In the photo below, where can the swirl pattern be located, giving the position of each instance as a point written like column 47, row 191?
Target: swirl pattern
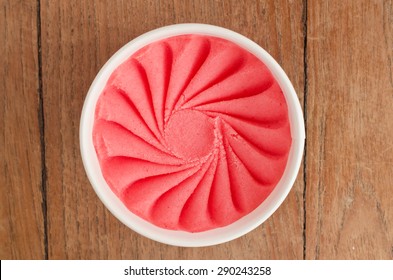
column 192, row 132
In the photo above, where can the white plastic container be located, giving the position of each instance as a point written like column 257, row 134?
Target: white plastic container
column 180, row 238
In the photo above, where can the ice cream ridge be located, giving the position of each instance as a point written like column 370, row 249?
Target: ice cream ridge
column 192, row 132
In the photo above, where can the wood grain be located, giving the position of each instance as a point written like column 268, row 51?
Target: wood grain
column 349, row 124
column 349, row 99
column 77, row 39
column 21, row 215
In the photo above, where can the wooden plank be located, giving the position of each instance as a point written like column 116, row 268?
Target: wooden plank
column 21, row 215
column 78, row 38
column 349, row 124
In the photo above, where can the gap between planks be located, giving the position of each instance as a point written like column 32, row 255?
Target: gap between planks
column 41, row 123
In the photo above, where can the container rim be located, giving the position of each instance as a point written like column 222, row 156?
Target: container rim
column 181, row 238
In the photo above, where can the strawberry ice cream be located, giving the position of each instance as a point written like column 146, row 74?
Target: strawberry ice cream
column 192, row 132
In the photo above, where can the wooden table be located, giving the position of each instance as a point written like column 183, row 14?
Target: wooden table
column 339, row 56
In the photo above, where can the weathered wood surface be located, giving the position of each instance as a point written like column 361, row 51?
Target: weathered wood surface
column 349, row 125
column 21, row 213
column 338, row 55
column 74, row 49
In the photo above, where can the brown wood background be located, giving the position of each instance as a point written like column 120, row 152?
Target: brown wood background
column 339, row 56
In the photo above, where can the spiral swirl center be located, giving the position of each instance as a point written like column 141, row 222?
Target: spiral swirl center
column 189, row 134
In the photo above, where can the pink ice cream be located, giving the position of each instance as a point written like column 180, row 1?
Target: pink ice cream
column 192, row 133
